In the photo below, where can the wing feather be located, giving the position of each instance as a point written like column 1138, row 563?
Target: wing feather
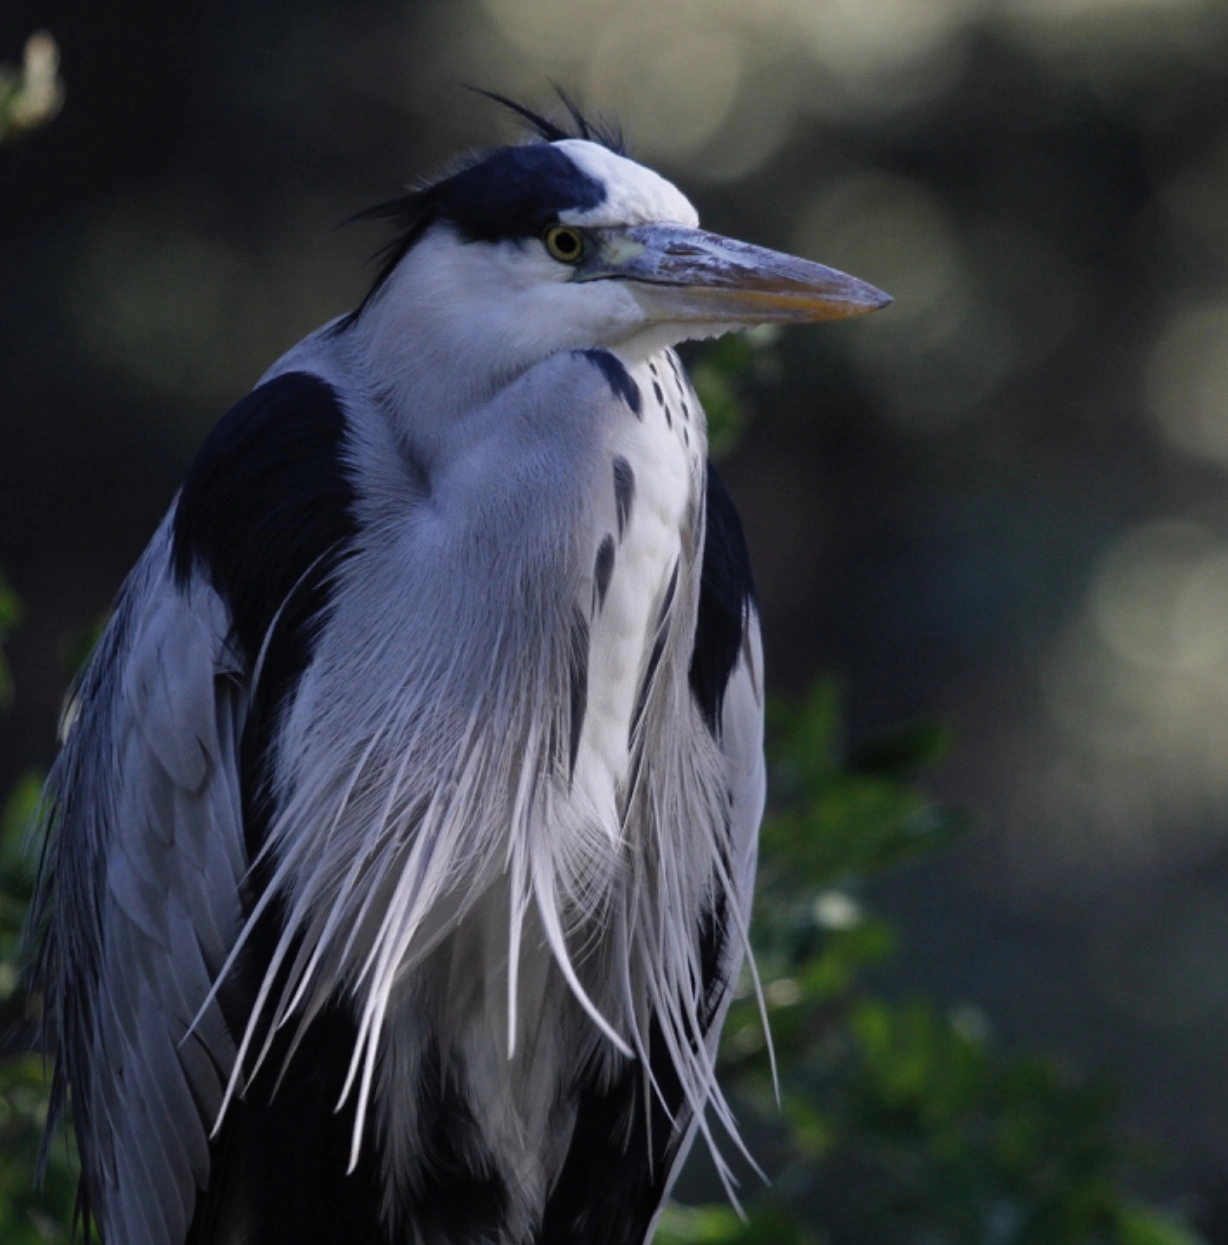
column 139, row 900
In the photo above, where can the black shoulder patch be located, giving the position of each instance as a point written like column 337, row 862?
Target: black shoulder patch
column 726, row 591
column 266, row 514
column 622, row 386
column 267, row 507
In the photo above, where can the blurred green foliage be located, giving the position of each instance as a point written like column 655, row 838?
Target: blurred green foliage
column 933, row 1137
column 10, row 616
column 30, row 1211
column 727, row 374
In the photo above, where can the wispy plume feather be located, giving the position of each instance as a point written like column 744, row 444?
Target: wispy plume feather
column 450, row 790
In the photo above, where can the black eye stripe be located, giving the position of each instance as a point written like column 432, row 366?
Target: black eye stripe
column 516, row 192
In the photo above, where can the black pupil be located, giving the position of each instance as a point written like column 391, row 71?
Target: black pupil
column 566, row 243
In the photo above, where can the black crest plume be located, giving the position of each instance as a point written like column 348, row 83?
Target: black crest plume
column 595, row 132
column 412, row 213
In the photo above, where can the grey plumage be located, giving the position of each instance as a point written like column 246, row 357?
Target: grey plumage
column 421, row 762
column 140, row 897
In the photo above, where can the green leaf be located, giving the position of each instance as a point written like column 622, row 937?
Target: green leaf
column 1145, row 1225
column 724, row 375
column 698, row 1225
column 767, row 1224
column 30, row 1214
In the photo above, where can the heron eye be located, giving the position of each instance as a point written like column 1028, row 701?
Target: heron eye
column 564, row 243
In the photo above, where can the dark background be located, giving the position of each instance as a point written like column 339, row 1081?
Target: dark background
column 1002, row 503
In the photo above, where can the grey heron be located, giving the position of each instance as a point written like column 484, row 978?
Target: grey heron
column 400, row 848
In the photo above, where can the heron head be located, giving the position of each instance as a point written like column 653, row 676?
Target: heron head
column 568, row 243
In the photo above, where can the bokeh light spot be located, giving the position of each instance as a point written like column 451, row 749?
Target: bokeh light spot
column 1187, row 382
column 938, row 352
column 1144, row 597
column 672, row 87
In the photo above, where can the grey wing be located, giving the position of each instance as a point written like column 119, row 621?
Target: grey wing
column 138, row 902
column 727, row 678
column 727, row 681
column 741, row 738
column 741, row 741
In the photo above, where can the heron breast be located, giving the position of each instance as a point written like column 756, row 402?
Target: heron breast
column 655, row 476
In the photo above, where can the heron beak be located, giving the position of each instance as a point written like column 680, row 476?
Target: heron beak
column 683, row 275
